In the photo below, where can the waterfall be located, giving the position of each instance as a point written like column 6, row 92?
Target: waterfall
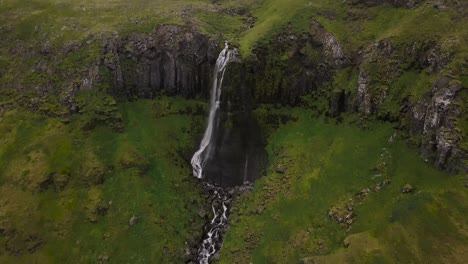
column 212, row 243
column 206, row 146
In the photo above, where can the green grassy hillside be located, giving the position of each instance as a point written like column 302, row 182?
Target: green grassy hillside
column 344, row 169
column 67, row 195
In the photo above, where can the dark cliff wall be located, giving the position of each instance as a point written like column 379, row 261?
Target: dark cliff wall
column 174, row 60
column 401, row 82
column 310, row 70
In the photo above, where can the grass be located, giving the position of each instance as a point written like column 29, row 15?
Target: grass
column 272, row 15
column 162, row 193
column 285, row 218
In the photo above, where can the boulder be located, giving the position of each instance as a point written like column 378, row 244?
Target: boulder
column 407, row 188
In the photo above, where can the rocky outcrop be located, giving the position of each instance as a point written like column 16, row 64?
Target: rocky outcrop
column 434, row 118
column 364, row 96
column 332, row 47
column 292, row 65
column 174, row 60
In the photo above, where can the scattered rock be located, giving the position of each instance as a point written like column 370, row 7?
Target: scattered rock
column 343, row 215
column 439, row 5
column 407, row 188
column 202, row 213
column 46, row 48
column 103, row 258
column 280, row 170
column 133, row 220
column 392, row 138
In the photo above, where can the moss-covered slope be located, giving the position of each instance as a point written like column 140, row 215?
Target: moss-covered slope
column 69, row 192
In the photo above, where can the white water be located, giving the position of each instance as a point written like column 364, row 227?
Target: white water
column 206, row 146
column 246, row 165
column 218, row 224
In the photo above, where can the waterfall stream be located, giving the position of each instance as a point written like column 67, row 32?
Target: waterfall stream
column 217, row 226
column 220, row 197
column 206, row 146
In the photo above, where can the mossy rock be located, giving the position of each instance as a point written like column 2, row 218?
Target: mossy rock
column 31, row 172
column 95, row 206
column 129, row 157
column 93, row 171
column 60, row 180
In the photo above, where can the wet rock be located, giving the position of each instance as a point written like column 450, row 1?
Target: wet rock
column 133, row 220
column 202, row 213
column 407, row 188
column 215, row 257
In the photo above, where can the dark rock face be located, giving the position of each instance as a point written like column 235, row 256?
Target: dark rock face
column 309, row 62
column 239, row 154
column 286, row 80
column 332, row 48
column 174, row 60
column 337, row 103
column 434, row 118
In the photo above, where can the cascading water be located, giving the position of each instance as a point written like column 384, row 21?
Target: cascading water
column 217, row 226
column 206, row 146
column 221, row 198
